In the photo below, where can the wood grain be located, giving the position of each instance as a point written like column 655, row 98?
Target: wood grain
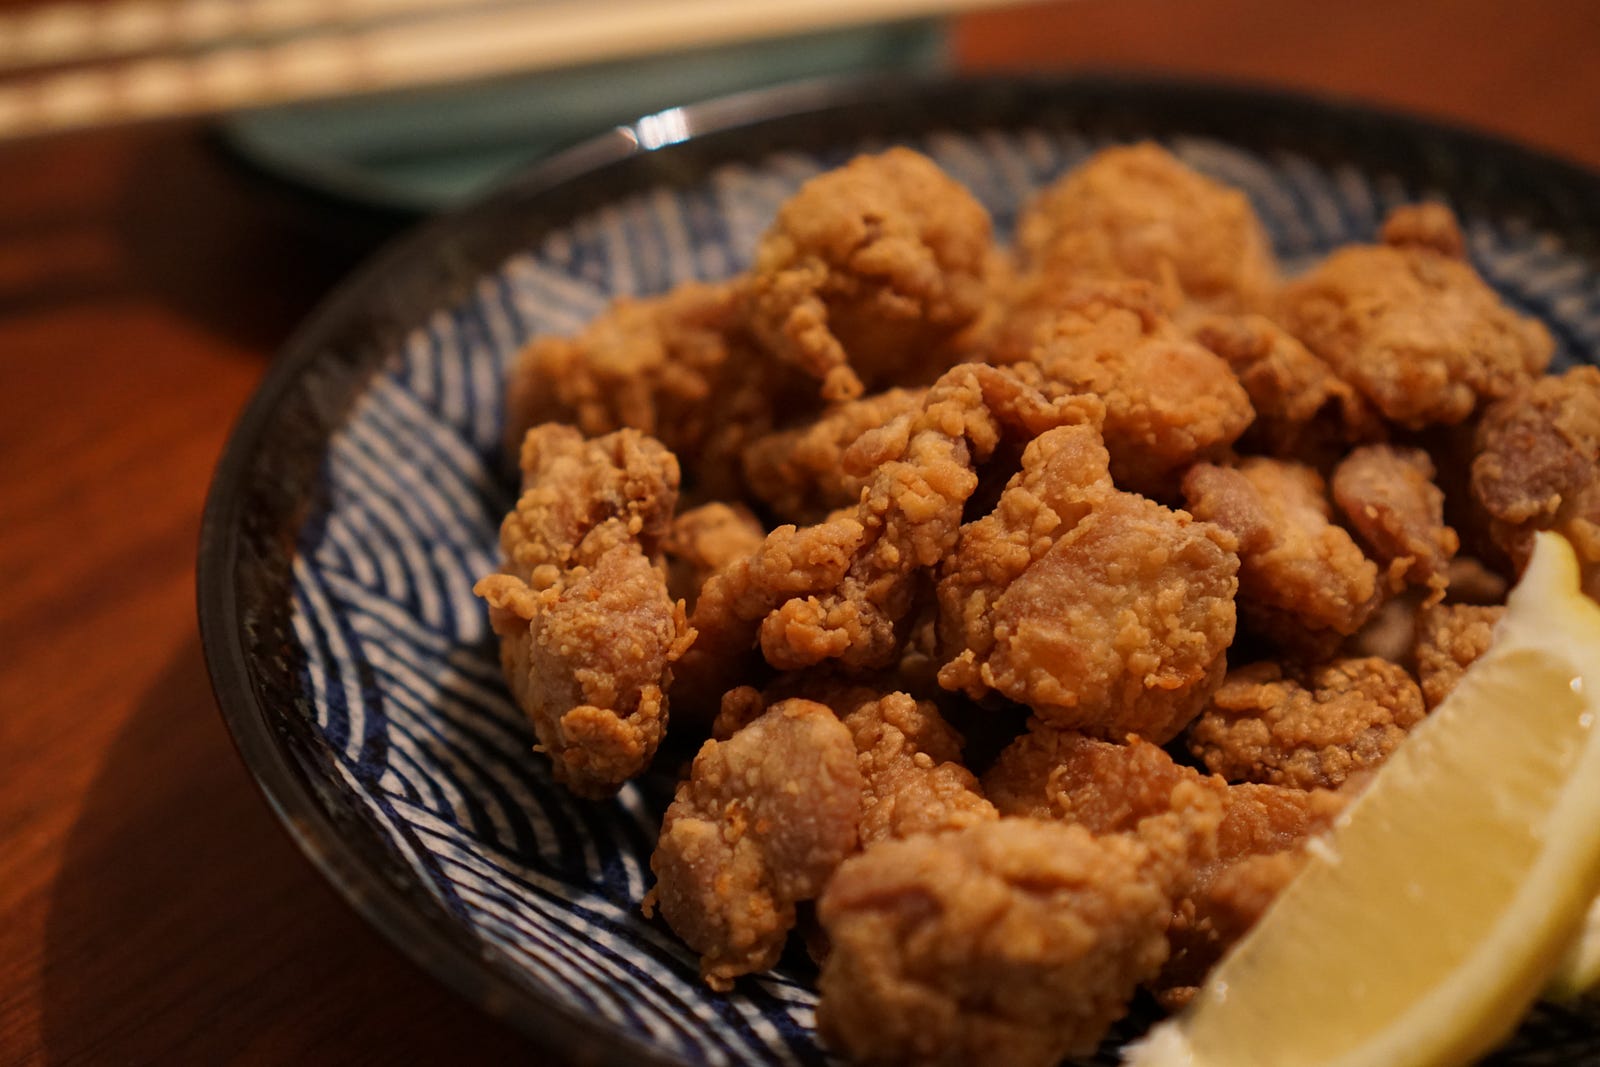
column 150, row 908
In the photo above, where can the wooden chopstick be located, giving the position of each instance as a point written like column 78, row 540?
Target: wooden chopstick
column 452, row 44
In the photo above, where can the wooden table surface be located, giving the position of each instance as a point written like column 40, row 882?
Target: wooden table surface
column 150, row 908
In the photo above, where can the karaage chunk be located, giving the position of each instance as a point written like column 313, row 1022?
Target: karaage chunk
column 1450, row 637
column 705, row 540
column 1388, row 495
column 588, row 632
column 869, row 272
column 1310, row 727
column 1015, row 942
column 1303, row 582
column 679, row 367
column 1169, row 401
column 800, row 475
column 1538, row 467
column 838, row 591
column 1418, row 332
column 760, row 824
column 1303, row 410
column 1225, row 880
column 1098, row 609
column 911, row 765
column 1136, row 211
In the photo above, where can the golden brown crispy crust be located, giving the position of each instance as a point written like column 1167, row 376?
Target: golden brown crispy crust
column 1418, row 332
column 910, row 761
column 1429, row 225
column 1306, row 727
column 1138, row 212
column 1449, row 638
column 679, row 367
column 869, row 272
column 1388, row 496
column 588, row 631
column 837, row 591
column 1098, row 609
column 1169, row 401
column 1303, row 410
column 799, row 473
column 1538, row 467
column 1223, row 884
column 1012, row 942
column 760, row 824
column 706, row 539
column 1303, row 583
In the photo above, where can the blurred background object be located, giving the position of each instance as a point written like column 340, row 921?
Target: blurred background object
column 416, row 104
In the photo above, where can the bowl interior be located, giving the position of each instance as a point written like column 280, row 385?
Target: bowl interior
column 362, row 498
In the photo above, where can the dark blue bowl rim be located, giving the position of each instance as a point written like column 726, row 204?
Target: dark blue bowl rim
column 251, row 514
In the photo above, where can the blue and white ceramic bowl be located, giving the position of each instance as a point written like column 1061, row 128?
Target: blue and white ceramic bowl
column 361, row 494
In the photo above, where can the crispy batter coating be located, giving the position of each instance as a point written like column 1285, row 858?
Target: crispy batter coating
column 679, row 367
column 1418, row 332
column 910, row 762
column 704, row 540
column 1388, row 496
column 1137, row 212
column 838, row 591
column 910, row 757
column 1538, row 467
column 588, row 631
column 1169, row 401
column 760, row 824
column 1098, row 609
column 1307, row 727
column 869, row 271
column 1449, row 638
column 1013, row 942
column 1108, row 788
column 800, row 473
column 1303, row 410
column 1429, row 224
column 1303, row 583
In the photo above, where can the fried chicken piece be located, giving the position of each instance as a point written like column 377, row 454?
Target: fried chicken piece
column 1538, row 468
column 1013, row 942
column 1303, row 410
column 1388, row 496
column 910, row 760
column 1098, row 609
column 588, row 632
column 1169, row 401
column 1429, row 225
column 706, row 539
column 869, row 271
column 1135, row 211
column 838, row 590
column 800, row 473
column 1450, row 637
column 1307, row 727
column 910, row 757
column 1303, row 583
column 1417, row 331
column 677, row 366
column 760, row 824
column 1116, row 788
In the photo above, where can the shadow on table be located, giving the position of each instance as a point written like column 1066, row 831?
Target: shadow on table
column 185, row 927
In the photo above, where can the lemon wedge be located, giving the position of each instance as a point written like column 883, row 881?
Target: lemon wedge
column 1444, row 899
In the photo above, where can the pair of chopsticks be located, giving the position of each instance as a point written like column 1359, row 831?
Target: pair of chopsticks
column 77, row 64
